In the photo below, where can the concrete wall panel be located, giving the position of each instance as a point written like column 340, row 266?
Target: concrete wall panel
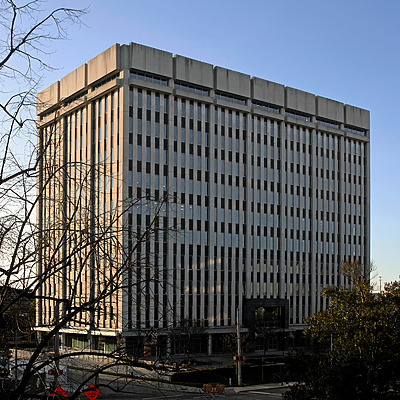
column 236, row 83
column 330, row 109
column 298, row 100
column 150, row 60
column 357, row 117
column 193, row 71
column 73, row 82
column 103, row 64
column 267, row 92
column 48, row 97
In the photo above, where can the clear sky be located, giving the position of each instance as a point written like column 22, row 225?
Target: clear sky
column 347, row 50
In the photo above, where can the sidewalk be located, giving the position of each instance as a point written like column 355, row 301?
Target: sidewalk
column 238, row 389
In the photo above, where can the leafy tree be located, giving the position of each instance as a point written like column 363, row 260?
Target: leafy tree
column 361, row 329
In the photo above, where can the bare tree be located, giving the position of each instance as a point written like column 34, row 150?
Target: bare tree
column 86, row 241
column 187, row 335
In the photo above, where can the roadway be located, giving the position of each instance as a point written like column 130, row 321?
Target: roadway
column 117, row 387
column 156, row 391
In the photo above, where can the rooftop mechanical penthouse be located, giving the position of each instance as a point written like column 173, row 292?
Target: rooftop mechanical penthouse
column 255, row 192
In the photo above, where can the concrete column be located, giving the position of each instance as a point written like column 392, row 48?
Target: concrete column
column 314, row 227
column 342, row 207
column 367, row 207
column 211, row 267
column 281, row 251
column 209, row 347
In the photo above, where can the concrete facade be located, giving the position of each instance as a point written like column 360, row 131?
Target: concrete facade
column 269, row 186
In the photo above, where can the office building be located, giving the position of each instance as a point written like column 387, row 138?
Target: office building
column 266, row 189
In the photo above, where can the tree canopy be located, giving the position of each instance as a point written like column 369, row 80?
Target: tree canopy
column 33, row 256
column 361, row 331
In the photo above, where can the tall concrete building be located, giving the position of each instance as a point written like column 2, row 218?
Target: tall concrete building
column 266, row 187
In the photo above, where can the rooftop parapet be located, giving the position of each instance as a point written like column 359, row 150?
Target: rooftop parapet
column 48, row 98
column 358, row 117
column 267, row 91
column 232, row 82
column 186, row 70
column 73, row 82
column 148, row 59
column 193, row 71
column 104, row 64
column 329, row 109
column 300, row 101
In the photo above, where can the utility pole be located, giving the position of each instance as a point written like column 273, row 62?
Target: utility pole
column 239, row 351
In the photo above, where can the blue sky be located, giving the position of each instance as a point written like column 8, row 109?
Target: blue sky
column 345, row 50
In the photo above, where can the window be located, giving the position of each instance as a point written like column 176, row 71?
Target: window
column 328, row 124
column 139, row 99
column 298, row 116
column 192, row 89
column 148, row 101
column 105, row 81
column 182, row 185
column 157, row 102
column 148, row 180
column 353, row 130
column 230, row 98
column 149, row 78
column 266, row 107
